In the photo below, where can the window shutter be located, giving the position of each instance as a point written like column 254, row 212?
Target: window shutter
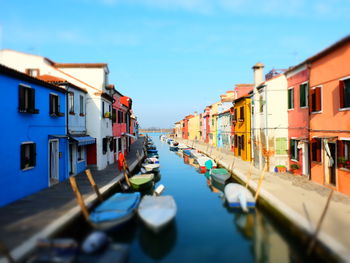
column 21, row 98
column 51, row 104
column 33, row 154
column 242, row 142
column 341, row 93
column 57, row 104
column 318, row 98
column 318, row 150
column 31, row 98
column 103, row 108
column 22, row 156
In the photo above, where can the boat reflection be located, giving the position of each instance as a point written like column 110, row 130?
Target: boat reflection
column 158, row 245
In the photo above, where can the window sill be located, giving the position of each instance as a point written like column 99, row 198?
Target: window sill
column 316, row 112
column 344, row 109
column 28, row 168
column 59, row 114
column 81, row 114
column 71, row 113
column 344, row 169
column 80, row 161
column 30, row 111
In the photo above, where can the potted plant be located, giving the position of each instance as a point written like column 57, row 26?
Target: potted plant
column 341, row 162
column 107, row 114
column 347, row 164
column 294, row 167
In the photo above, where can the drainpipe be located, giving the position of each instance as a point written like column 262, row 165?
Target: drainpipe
column 267, row 133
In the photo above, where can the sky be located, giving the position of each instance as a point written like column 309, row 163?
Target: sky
column 174, row 57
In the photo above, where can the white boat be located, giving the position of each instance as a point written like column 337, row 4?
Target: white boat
column 157, row 211
column 203, row 163
column 196, row 155
column 239, row 196
column 150, row 167
column 151, row 160
column 221, row 175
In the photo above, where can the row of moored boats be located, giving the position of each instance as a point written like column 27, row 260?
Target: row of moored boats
column 236, row 195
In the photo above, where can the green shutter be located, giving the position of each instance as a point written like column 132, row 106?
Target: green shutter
column 281, row 146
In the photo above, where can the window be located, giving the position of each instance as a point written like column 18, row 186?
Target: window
column 242, row 142
column 343, row 147
column 115, row 144
column 28, row 155
column 27, row 100
column 104, row 145
column 111, row 145
column 234, row 117
column 261, row 103
column 241, row 113
column 34, row 72
column 281, row 146
column 304, row 90
column 71, row 102
column 291, row 98
column 81, row 153
column 315, row 94
column 114, row 116
column 316, row 150
column 81, row 100
column 235, row 140
column 344, row 93
column 293, row 150
column 119, row 144
column 55, row 105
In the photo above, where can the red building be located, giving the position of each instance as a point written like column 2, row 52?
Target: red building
column 121, row 123
column 298, row 118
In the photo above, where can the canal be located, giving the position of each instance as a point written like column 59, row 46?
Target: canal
column 205, row 230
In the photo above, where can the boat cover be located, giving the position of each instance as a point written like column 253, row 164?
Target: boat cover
column 117, row 206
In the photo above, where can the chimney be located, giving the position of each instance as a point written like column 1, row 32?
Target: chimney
column 258, row 69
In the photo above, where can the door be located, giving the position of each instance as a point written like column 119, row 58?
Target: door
column 305, row 158
column 53, row 162
column 72, row 158
column 332, row 170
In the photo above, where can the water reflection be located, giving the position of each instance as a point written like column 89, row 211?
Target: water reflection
column 158, row 245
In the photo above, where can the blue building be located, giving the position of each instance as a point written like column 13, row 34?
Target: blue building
column 76, row 124
column 34, row 148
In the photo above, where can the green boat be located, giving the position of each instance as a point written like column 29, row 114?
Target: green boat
column 141, row 182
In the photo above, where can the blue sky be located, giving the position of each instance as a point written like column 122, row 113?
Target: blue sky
column 174, row 57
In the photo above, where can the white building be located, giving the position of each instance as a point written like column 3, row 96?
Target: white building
column 269, row 120
column 93, row 77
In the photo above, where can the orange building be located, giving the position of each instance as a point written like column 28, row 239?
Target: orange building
column 329, row 100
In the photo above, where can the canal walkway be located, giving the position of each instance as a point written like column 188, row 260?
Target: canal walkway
column 295, row 199
column 46, row 213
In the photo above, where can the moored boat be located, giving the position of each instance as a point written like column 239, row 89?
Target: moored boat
column 238, row 196
column 205, row 163
column 150, row 167
column 157, row 211
column 115, row 211
column 220, row 175
column 142, row 181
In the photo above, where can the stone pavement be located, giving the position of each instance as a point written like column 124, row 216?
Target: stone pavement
column 297, row 200
column 47, row 212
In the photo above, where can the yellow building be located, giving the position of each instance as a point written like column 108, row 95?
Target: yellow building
column 213, row 122
column 242, row 135
column 194, row 127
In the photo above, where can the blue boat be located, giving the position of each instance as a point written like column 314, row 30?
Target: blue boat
column 115, row 211
column 152, row 151
column 187, row 151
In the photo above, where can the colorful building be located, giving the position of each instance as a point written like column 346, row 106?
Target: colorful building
column 269, row 125
column 194, row 127
column 298, row 118
column 34, row 150
column 213, row 124
column 206, row 117
column 329, row 104
column 178, row 133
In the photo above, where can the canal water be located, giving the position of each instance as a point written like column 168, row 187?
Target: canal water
column 204, row 230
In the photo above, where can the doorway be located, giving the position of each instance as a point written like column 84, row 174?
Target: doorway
column 53, row 162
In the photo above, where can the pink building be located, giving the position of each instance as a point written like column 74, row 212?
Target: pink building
column 298, row 118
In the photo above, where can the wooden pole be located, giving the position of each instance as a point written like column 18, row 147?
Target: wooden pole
column 125, row 173
column 261, row 178
column 79, row 197
column 250, row 174
column 233, row 163
column 93, row 184
column 313, row 239
column 4, row 250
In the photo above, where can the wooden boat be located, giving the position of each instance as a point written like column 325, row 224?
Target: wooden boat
column 115, row 211
column 238, row 196
column 150, row 167
column 196, row 155
column 220, row 175
column 151, row 160
column 157, row 211
column 142, row 181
